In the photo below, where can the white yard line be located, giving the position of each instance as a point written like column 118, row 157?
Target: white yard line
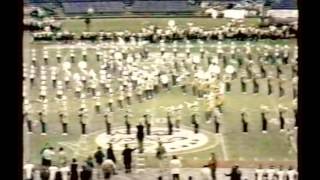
column 223, row 145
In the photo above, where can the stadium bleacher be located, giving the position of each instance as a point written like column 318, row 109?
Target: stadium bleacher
column 162, row 6
column 285, row 4
column 99, row 7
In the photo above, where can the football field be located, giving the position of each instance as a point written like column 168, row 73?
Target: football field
column 231, row 145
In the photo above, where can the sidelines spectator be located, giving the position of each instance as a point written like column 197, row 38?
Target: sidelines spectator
column 213, row 165
column 44, row 173
column 74, row 170
column 65, row 171
column 235, row 173
column 206, row 173
column 175, row 165
column 98, row 155
column 62, row 157
column 47, row 156
column 108, row 167
column 29, row 171
column 53, row 170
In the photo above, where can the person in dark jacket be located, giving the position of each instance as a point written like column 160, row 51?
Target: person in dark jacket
column 74, row 170
column 44, row 173
column 127, row 157
column 86, row 173
column 58, row 175
column 110, row 154
column 235, row 173
column 98, row 155
column 140, row 136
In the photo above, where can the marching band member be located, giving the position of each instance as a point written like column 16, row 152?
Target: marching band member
column 54, row 76
column 244, row 121
column 120, row 97
column 97, row 102
column 63, row 116
column 281, row 89
column 107, row 117
column 243, row 85
column 45, row 57
column 43, row 122
column 164, row 81
column 178, row 117
column 169, row 123
column 269, row 86
column 58, row 56
column 83, row 118
column 282, row 120
column 217, row 120
column 255, row 86
column 126, row 120
column 264, row 119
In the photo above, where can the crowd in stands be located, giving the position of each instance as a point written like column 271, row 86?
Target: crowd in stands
column 58, row 166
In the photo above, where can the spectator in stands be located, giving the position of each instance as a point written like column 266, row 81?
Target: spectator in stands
column 29, row 170
column 127, row 157
column 235, row 173
column 74, row 170
column 206, row 173
column 108, row 167
column 175, row 165
column 213, row 165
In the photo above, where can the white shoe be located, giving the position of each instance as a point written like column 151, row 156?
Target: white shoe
column 43, row 134
column 30, row 133
column 64, row 134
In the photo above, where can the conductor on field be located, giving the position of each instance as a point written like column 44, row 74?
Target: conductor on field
column 140, row 136
column 127, row 158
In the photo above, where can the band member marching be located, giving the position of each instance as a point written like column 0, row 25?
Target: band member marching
column 282, row 120
column 43, row 123
column 64, row 121
column 264, row 120
column 244, row 121
column 83, row 119
column 107, row 118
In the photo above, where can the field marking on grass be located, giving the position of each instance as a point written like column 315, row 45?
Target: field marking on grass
column 223, row 145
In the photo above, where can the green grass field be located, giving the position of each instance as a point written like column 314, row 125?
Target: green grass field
column 252, row 147
column 135, row 24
